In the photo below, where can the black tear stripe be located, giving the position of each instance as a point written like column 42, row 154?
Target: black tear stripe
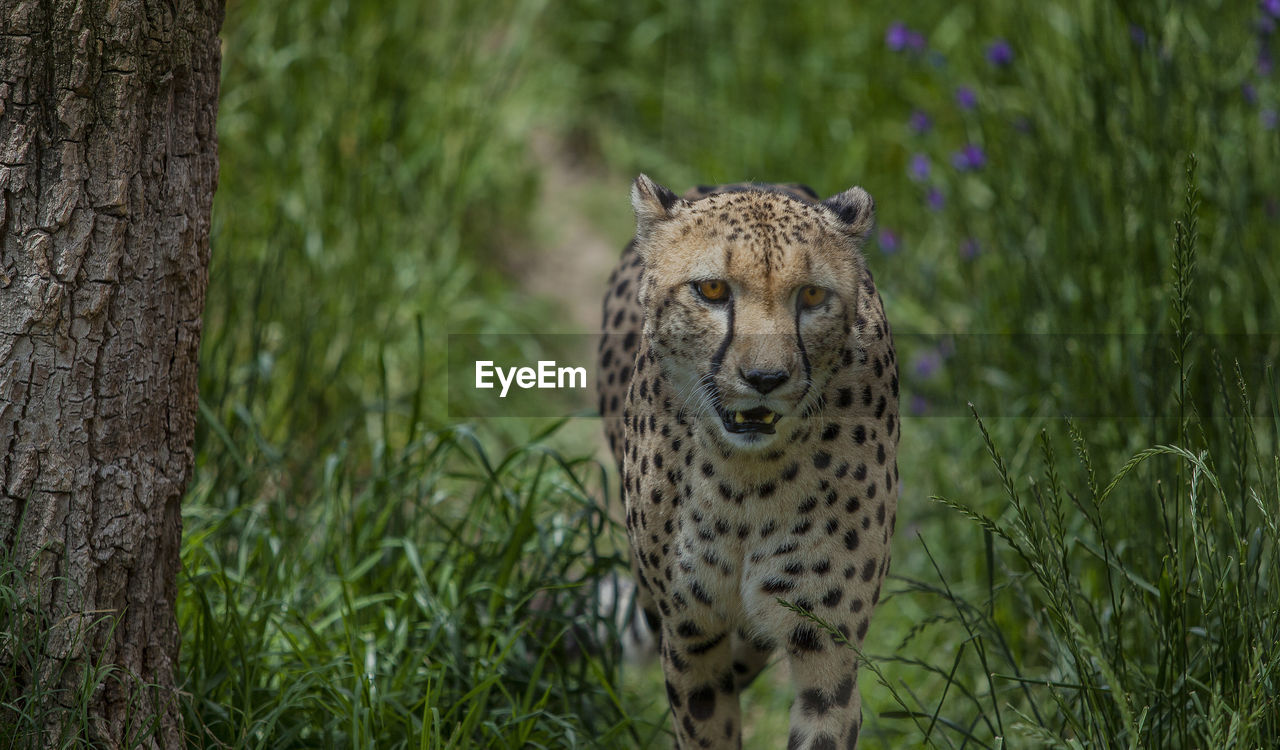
column 849, row 335
column 718, row 358
column 804, row 355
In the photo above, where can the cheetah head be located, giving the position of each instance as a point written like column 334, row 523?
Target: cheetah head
column 749, row 299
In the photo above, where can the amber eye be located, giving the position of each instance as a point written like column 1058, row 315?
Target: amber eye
column 714, row 290
column 812, row 296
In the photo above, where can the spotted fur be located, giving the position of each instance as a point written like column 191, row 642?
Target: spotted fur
column 724, row 522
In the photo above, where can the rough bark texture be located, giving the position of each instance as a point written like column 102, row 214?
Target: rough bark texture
column 108, row 163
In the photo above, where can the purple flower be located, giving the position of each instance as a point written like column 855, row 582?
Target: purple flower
column 1000, row 54
column 927, row 364
column 920, row 168
column 919, row 406
column 920, row 122
column 935, row 199
column 1268, row 117
column 899, row 37
column 1265, row 65
column 1272, row 7
column 895, row 38
column 969, row 157
column 888, row 241
column 969, row 249
column 1138, row 35
column 965, row 98
column 1250, row 93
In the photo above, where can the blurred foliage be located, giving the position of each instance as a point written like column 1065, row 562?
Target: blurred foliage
column 367, row 155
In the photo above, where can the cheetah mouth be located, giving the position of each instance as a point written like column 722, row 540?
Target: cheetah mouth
column 758, row 420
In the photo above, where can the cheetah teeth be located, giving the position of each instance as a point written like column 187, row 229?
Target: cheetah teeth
column 757, row 415
column 758, row 419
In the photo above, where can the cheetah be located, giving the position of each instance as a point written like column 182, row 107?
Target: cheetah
column 749, row 389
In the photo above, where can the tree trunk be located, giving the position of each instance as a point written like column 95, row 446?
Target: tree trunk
column 108, row 163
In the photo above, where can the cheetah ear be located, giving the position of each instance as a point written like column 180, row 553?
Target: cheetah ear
column 855, row 209
column 652, row 203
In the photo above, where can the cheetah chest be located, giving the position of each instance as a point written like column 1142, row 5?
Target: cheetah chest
column 722, row 550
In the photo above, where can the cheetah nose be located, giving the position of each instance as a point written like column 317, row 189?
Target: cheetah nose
column 765, row 380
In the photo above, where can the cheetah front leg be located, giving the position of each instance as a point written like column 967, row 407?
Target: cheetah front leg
column 827, row 711
column 700, row 686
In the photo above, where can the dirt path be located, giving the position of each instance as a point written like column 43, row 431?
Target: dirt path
column 580, row 223
column 571, row 256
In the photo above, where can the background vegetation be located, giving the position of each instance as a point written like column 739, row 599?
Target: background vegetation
column 361, row 568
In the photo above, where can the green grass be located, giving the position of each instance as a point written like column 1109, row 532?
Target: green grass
column 445, row 603
column 361, row 570
column 1163, row 639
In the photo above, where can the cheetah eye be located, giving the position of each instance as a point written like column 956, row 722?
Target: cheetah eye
column 812, row 296
column 713, row 290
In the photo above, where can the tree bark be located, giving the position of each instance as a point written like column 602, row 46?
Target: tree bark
column 108, row 164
